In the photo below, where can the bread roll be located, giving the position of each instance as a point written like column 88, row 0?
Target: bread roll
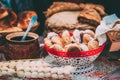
column 57, row 40
column 86, row 38
column 47, row 42
column 57, row 47
column 72, row 48
column 90, row 32
column 66, row 37
column 93, row 44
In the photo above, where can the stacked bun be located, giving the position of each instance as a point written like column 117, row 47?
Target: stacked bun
column 8, row 20
column 76, row 16
column 24, row 19
column 78, row 41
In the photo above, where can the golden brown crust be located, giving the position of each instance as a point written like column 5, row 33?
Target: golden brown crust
column 24, row 19
column 93, row 44
column 99, row 8
column 90, row 16
column 68, row 6
column 61, row 6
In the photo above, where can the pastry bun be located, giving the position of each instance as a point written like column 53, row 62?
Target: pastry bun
column 24, row 19
column 57, row 47
column 90, row 32
column 87, row 38
column 57, row 40
column 93, row 44
column 9, row 20
column 72, row 48
column 66, row 37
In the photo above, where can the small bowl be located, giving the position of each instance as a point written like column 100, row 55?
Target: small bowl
column 16, row 49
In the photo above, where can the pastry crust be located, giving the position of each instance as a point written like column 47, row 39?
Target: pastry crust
column 69, row 6
column 90, row 16
column 99, row 8
column 61, row 6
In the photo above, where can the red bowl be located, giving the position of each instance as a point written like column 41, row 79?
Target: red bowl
column 74, row 54
column 74, row 58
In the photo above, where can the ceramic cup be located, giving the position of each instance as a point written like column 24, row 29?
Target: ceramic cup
column 17, row 49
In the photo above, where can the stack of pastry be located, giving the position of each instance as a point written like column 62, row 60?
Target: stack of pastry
column 10, row 22
column 8, row 19
column 70, row 16
column 24, row 19
column 79, row 41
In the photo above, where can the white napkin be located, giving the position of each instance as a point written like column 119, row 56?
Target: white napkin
column 107, row 24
